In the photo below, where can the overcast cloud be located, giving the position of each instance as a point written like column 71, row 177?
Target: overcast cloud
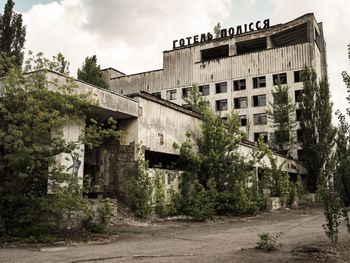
column 131, row 35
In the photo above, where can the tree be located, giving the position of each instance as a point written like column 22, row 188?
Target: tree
column 90, row 72
column 316, row 126
column 216, row 176
column 217, row 30
column 281, row 113
column 31, row 122
column 12, row 33
column 195, row 99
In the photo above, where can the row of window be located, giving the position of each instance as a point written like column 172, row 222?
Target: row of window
column 258, row 82
column 257, row 135
column 241, row 102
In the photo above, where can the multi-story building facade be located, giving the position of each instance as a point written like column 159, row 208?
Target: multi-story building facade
column 236, row 70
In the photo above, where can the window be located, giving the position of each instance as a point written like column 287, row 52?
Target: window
column 259, row 100
column 171, row 94
column 259, row 82
column 240, row 103
column 298, row 76
column 157, row 94
column 299, row 95
column 221, row 105
column 204, row 89
column 243, row 120
column 257, row 135
column 239, row 84
column 260, row 119
column 215, row 53
column 298, row 114
column 299, row 135
column 279, row 78
column 221, row 87
column 185, row 92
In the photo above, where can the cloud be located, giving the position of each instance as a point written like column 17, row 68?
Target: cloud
column 127, row 35
column 335, row 16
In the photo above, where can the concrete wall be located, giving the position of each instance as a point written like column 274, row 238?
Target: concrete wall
column 159, row 126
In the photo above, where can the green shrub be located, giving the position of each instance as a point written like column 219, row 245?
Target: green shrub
column 140, row 189
column 199, row 203
column 160, row 204
column 97, row 220
column 267, row 243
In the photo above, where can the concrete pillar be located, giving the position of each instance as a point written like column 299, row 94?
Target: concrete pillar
column 72, row 163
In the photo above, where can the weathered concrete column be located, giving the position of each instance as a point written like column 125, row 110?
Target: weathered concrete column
column 72, row 163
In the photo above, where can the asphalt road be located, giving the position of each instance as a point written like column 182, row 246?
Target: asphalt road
column 225, row 240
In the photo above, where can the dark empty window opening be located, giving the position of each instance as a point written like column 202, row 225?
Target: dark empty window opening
column 251, row 45
column 279, row 78
column 259, row 100
column 257, row 135
column 243, row 120
column 221, row 105
column 299, row 95
column 204, row 89
column 215, row 53
column 157, row 94
column 163, row 160
column 240, row 103
column 298, row 76
column 292, row 36
column 239, row 85
column 259, row 82
column 221, row 87
column 185, row 92
column 299, row 135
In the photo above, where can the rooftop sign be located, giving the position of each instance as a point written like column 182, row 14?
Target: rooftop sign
column 231, row 32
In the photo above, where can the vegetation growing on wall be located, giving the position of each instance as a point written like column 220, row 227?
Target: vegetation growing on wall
column 31, row 122
column 281, row 114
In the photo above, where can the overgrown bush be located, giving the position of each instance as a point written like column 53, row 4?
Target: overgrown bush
column 267, row 242
column 160, row 202
column 97, row 219
column 140, row 189
column 199, row 202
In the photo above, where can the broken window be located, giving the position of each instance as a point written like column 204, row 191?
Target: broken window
column 279, row 78
column 299, row 135
column 263, row 135
column 204, row 89
column 159, row 159
column 252, row 45
column 292, row 36
column 221, row 87
column 243, row 120
column 239, row 85
column 298, row 76
column 171, row 94
column 185, row 92
column 299, row 95
column 259, row 82
column 259, row 100
column 221, row 105
column 215, row 53
column 157, row 94
column 260, row 119
column 240, row 103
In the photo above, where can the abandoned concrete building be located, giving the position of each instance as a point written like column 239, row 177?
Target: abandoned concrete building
column 147, row 122
column 237, row 70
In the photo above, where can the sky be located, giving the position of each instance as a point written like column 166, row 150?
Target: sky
column 130, row 35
